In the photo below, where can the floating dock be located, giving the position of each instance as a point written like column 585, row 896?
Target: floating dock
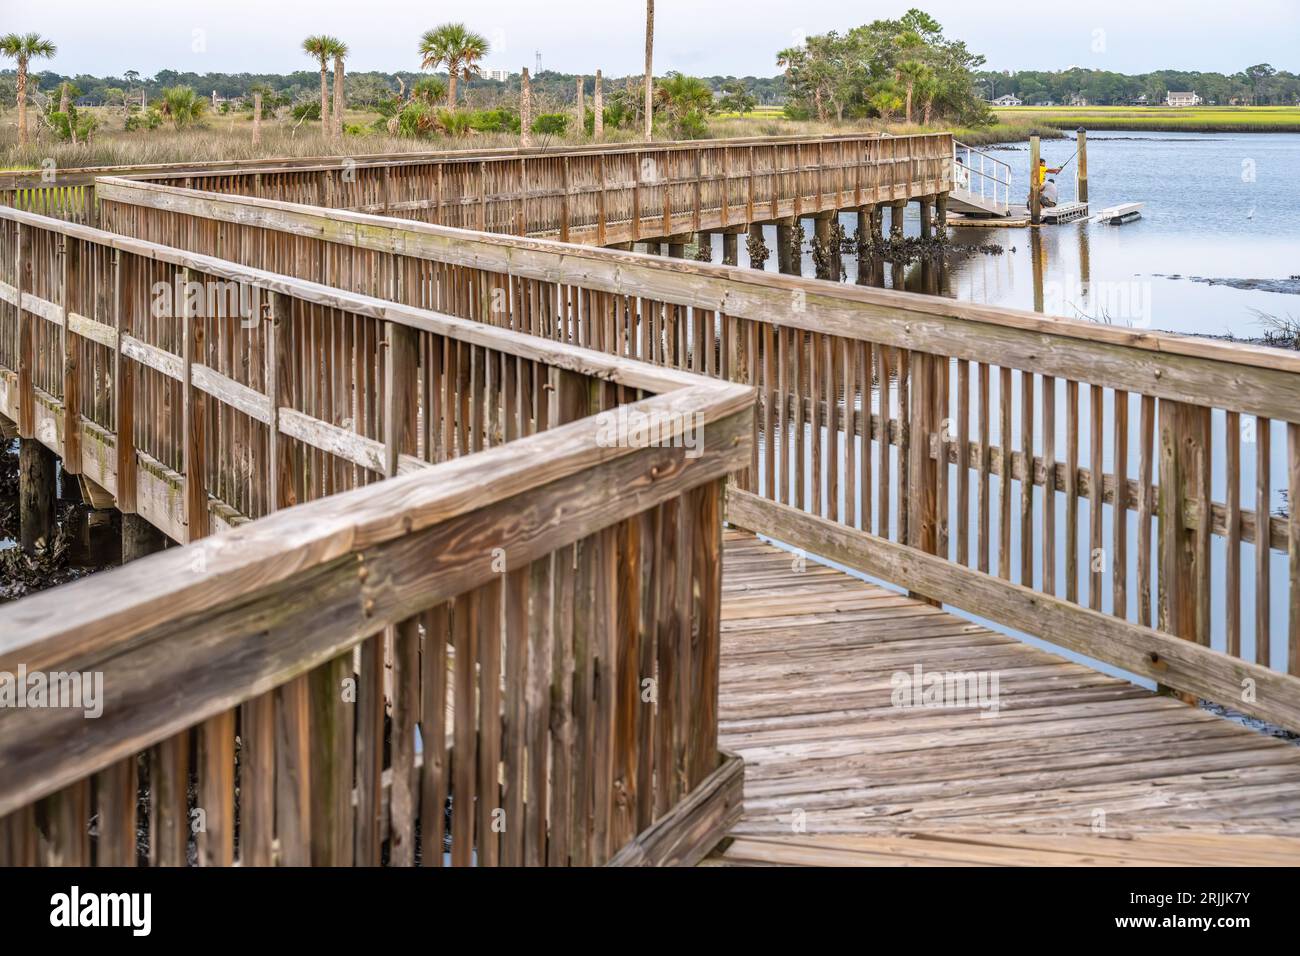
column 1120, row 214
column 1018, row 216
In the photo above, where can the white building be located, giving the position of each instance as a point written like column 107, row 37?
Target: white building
column 1009, row 99
column 499, row 75
column 1182, row 99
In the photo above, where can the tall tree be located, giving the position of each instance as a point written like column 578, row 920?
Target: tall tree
column 321, row 47
column 456, row 47
column 23, row 48
column 339, row 49
column 649, row 68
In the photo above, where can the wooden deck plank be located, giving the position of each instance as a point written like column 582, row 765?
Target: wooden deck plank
column 1075, row 768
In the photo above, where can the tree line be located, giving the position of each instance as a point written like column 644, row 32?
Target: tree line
column 904, row 68
column 1258, row 85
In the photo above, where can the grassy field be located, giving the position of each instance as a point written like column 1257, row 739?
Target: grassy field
column 1198, row 119
column 231, row 138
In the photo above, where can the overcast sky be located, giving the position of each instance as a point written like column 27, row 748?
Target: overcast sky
column 703, row 37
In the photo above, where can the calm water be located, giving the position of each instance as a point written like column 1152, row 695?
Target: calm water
column 1217, row 206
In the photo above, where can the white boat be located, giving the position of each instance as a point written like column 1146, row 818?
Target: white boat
column 1116, row 215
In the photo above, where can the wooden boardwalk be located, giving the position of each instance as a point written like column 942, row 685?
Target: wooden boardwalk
column 395, row 395
column 807, row 661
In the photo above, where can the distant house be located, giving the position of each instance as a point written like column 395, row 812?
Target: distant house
column 1078, row 100
column 1182, row 99
column 1009, row 99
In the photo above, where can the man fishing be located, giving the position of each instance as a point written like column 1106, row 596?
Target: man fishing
column 1043, row 172
column 1047, row 195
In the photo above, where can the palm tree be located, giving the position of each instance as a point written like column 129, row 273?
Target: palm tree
column 340, row 51
column 686, row 101
column 182, row 106
column 23, row 47
column 322, row 47
column 914, row 75
column 649, row 67
column 456, row 47
column 911, row 47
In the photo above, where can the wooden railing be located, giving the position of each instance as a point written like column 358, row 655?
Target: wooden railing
column 526, row 570
column 595, row 195
column 1049, row 429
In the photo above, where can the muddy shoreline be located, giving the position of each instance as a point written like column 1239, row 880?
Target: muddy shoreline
column 81, row 544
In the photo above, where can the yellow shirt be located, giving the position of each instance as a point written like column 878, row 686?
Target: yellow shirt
column 1042, row 176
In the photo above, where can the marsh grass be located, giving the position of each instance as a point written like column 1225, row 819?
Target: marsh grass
column 1211, row 119
column 230, row 138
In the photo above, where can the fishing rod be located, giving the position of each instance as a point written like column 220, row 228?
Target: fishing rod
column 1061, row 168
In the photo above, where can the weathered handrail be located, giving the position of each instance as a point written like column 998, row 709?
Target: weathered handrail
column 102, row 309
column 917, row 380
column 595, row 194
column 994, row 176
column 485, row 552
column 563, row 561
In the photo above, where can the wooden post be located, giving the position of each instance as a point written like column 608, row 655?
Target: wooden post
column 123, row 397
column 730, row 241
column 564, row 199
column 927, row 225
column 70, row 254
column 139, row 538
column 896, row 212
column 1036, row 252
column 1081, row 167
column 257, row 119
column 1035, row 210
column 941, row 213
column 822, row 237
column 525, row 109
column 35, row 494
column 283, row 478
column 26, row 336
column 704, row 246
column 1184, row 586
column 864, row 231
column 784, row 247
column 924, row 395
column 401, row 394
column 756, row 236
column 194, row 418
